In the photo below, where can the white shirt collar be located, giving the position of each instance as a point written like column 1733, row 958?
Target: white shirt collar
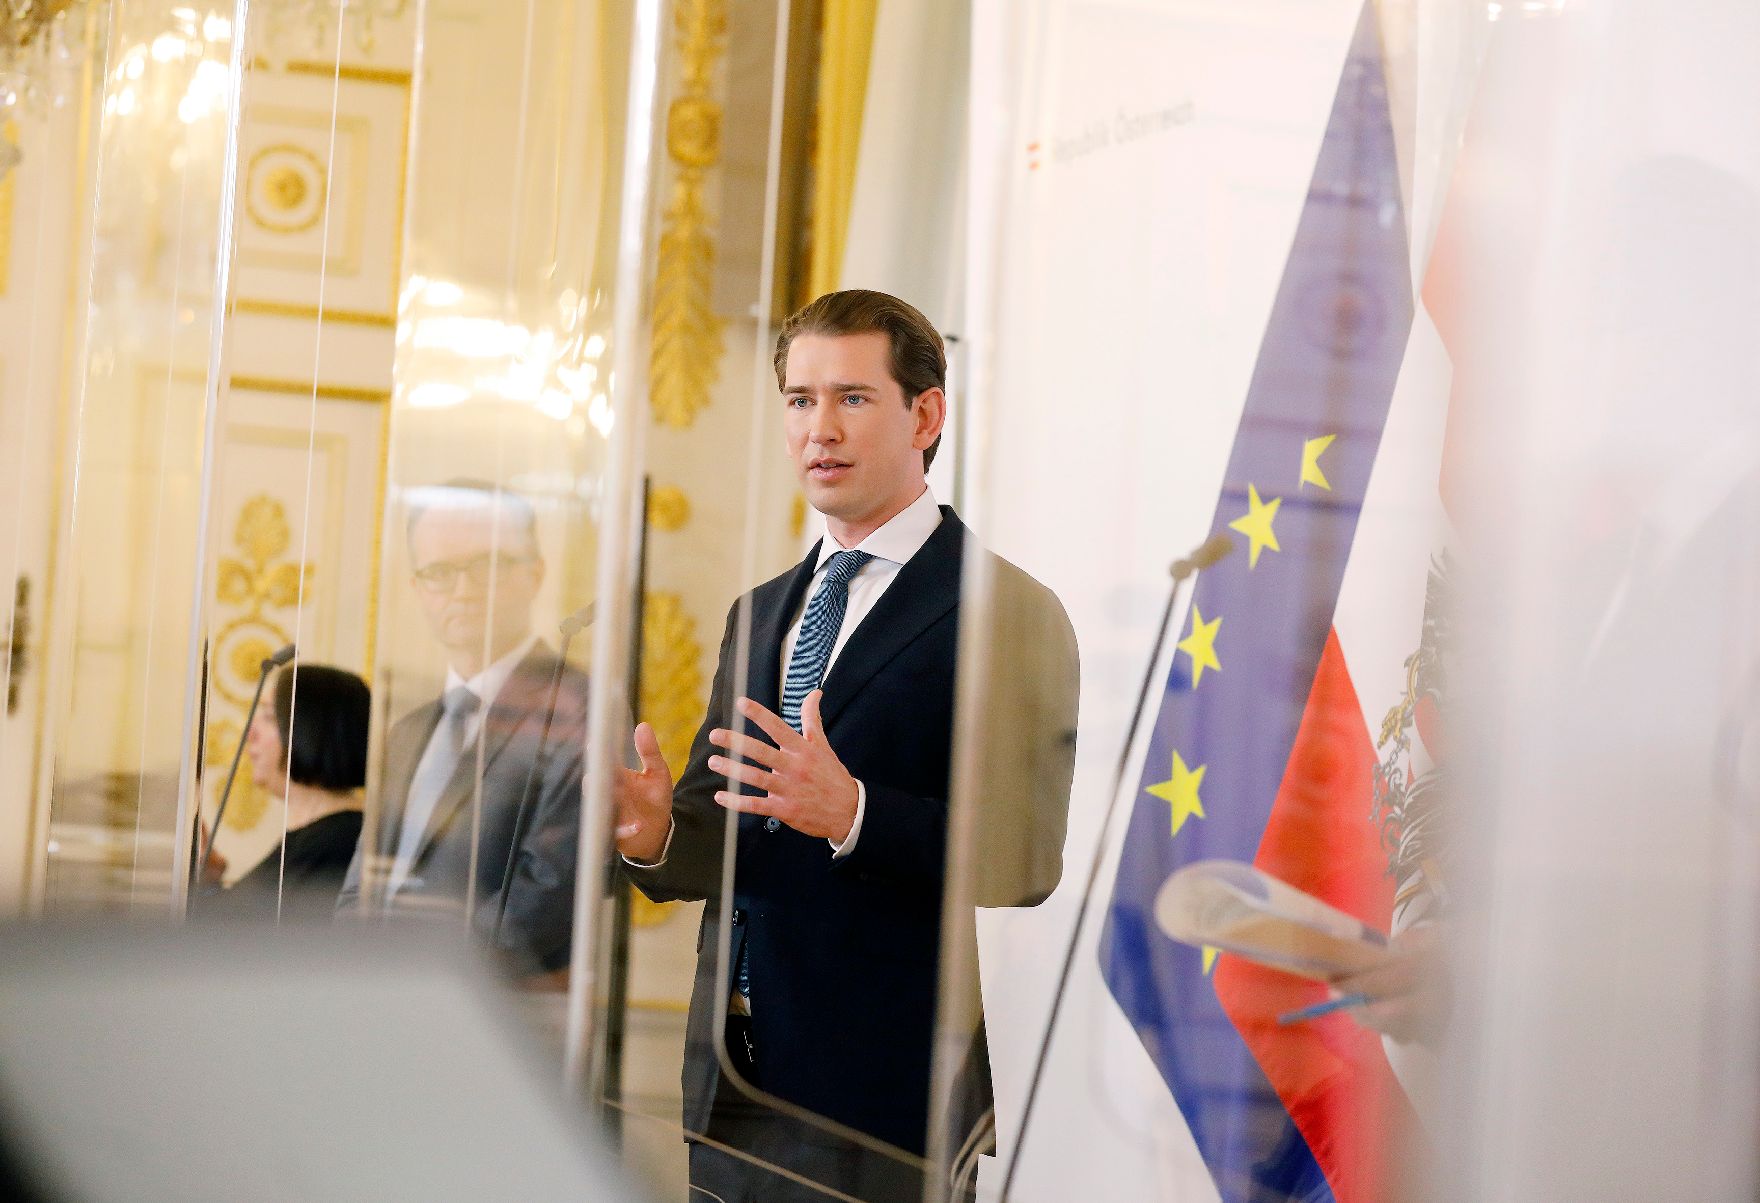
column 898, row 539
column 487, row 684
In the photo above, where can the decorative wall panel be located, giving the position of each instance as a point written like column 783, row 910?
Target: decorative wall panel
column 321, row 193
column 296, row 515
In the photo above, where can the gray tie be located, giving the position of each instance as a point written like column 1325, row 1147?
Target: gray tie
column 433, row 773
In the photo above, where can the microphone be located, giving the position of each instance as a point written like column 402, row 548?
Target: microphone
column 269, row 664
column 1205, row 555
column 577, row 622
column 568, row 628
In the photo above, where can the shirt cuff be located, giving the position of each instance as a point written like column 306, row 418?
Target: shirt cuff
column 855, row 829
column 667, row 847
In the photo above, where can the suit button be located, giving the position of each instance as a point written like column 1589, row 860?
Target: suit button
column 773, row 824
column 739, row 916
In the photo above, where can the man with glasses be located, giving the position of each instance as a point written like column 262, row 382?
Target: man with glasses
column 481, row 784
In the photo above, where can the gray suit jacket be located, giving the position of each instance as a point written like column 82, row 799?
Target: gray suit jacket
column 536, row 930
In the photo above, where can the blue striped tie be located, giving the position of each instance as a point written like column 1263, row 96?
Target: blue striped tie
column 806, row 669
column 819, row 628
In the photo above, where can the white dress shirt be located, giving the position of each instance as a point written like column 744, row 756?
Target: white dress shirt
column 419, row 812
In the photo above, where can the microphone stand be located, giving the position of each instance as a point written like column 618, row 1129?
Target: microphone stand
column 1206, row 554
column 571, row 626
column 272, row 662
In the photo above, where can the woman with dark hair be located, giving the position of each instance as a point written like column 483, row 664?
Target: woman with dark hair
column 307, row 746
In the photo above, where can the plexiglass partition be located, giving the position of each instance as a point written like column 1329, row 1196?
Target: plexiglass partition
column 1206, row 414
column 416, row 523
column 783, row 992
column 145, row 96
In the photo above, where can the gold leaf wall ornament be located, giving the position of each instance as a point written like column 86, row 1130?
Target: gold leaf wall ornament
column 258, row 578
column 285, row 189
column 249, row 801
column 672, row 677
column 251, row 585
column 672, row 703
column 688, row 335
column 669, row 509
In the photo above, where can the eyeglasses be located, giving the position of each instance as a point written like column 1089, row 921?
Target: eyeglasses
column 442, row 575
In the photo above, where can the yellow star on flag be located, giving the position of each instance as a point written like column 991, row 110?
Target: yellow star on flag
column 1211, row 952
column 1255, row 524
column 1182, row 791
column 1200, row 645
column 1312, row 450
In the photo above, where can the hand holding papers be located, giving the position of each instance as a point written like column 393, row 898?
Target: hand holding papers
column 1233, row 906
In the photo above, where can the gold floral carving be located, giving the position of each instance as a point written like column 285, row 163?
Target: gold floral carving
column 688, row 334
column 668, row 508
column 253, row 583
column 672, row 677
column 249, row 801
column 258, row 578
column 672, row 702
column 797, row 516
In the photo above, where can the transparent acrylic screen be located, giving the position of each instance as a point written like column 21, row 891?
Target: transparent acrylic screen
column 120, row 190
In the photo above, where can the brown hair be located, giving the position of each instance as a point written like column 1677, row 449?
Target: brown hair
column 919, row 359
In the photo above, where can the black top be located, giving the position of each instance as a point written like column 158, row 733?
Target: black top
column 318, row 856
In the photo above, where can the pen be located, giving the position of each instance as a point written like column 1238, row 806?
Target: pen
column 1324, row 1008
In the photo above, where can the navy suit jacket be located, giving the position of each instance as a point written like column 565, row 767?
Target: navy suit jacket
column 844, row 953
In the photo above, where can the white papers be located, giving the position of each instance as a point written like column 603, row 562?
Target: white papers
column 1232, row 906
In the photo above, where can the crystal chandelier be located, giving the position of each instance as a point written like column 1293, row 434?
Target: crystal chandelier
column 40, row 50
column 23, row 20
column 38, row 42
column 314, row 22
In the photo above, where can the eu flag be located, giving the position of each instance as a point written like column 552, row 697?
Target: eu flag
column 1259, row 751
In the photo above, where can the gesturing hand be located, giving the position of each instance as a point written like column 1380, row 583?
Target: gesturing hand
column 644, row 800
column 805, row 784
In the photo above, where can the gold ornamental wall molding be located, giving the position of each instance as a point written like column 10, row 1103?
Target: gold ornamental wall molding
column 688, row 334
column 672, row 678
column 672, row 702
column 252, row 583
column 284, row 188
column 669, row 509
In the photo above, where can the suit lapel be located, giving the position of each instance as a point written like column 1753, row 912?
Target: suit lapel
column 521, row 701
column 401, row 759
column 769, row 625
column 925, row 590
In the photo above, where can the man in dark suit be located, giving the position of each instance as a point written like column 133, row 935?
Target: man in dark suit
column 836, row 753
column 483, row 780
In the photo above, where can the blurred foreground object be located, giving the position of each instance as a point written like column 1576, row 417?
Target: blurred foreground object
column 1232, row 906
column 221, row 1062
